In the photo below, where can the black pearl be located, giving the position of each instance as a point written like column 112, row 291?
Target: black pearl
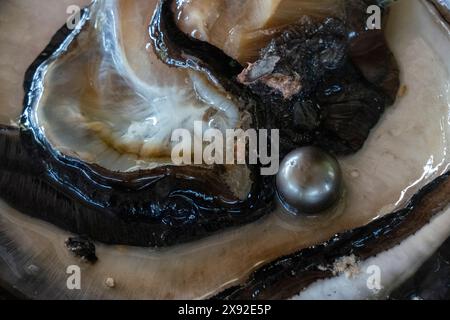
column 309, row 181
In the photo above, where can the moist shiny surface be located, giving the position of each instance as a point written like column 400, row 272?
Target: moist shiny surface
column 242, row 28
column 110, row 101
column 82, row 92
column 380, row 178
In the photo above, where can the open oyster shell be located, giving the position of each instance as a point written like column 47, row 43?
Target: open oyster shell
column 102, row 129
column 405, row 158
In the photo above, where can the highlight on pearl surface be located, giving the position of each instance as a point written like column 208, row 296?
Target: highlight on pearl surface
column 309, row 181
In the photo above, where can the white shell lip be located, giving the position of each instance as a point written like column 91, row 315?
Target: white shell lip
column 34, row 242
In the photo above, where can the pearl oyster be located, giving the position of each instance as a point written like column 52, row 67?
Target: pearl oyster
column 381, row 178
column 100, row 114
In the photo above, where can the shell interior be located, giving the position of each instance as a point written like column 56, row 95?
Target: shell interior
column 407, row 150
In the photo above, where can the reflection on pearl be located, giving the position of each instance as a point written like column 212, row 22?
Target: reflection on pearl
column 309, row 181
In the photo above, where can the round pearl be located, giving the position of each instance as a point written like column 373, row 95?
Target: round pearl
column 309, row 181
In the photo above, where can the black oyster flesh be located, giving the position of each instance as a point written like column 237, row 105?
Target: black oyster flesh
column 323, row 82
column 314, row 90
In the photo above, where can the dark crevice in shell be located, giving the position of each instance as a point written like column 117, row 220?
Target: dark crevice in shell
column 289, row 275
column 82, row 248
